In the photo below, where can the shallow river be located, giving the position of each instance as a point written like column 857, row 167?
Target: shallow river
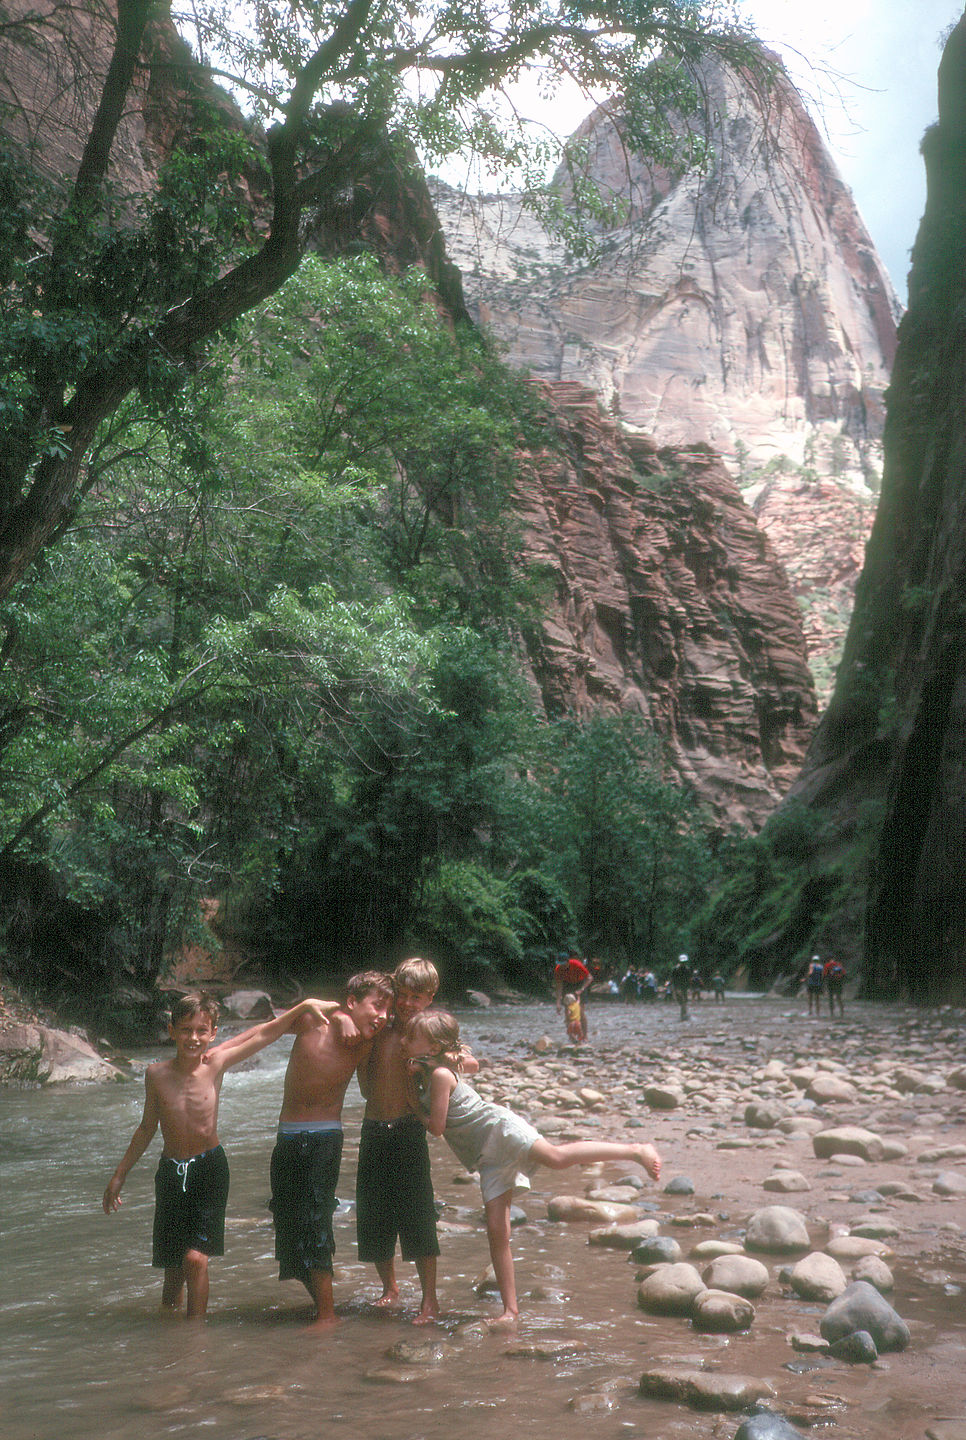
column 84, row 1351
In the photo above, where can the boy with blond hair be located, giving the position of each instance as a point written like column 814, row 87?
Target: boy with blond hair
column 191, row 1185
column 394, row 1188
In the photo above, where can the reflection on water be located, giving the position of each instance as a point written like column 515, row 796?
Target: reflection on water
column 84, row 1352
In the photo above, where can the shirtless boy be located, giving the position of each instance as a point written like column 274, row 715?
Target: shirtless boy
column 394, row 1189
column 308, row 1151
column 191, row 1185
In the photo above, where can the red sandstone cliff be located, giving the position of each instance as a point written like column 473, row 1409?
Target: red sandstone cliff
column 669, row 602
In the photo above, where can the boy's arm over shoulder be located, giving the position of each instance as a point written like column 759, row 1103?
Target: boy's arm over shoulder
column 140, row 1141
column 307, row 1015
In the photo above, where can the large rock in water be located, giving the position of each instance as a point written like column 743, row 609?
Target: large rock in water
column 861, row 1307
column 38, row 1055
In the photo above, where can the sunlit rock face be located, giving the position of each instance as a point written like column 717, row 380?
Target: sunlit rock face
column 668, row 601
column 745, row 308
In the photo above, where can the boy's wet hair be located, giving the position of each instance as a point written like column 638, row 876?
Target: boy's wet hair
column 357, row 987
column 416, row 974
column 194, row 1003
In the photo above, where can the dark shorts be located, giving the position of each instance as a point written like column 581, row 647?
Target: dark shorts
column 305, row 1172
column 190, row 1197
column 394, row 1191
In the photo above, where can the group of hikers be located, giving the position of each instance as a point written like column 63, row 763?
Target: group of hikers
column 410, row 1062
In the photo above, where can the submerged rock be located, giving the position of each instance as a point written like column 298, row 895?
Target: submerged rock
column 704, row 1390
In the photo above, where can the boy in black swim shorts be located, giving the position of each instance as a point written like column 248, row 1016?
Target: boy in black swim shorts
column 191, row 1186
column 305, row 1162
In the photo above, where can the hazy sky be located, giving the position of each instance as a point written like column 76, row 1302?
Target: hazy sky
column 867, row 69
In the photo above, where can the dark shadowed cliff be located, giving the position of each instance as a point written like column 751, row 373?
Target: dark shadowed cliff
column 890, row 753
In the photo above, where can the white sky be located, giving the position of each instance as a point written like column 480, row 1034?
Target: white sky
column 886, row 54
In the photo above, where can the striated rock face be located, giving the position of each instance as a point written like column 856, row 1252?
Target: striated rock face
column 669, row 602
column 746, row 309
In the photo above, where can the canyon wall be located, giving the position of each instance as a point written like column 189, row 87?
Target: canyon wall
column 744, row 308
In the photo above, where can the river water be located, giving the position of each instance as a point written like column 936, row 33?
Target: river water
column 84, row 1351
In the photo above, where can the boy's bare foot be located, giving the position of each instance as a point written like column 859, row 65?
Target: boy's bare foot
column 322, row 1323
column 650, row 1159
column 506, row 1321
column 428, row 1313
column 388, row 1300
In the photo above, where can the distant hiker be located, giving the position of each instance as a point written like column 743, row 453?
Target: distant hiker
column 718, row 986
column 569, row 973
column 814, row 982
column 834, row 974
column 681, row 984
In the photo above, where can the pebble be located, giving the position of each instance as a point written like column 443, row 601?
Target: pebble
column 721, row 1312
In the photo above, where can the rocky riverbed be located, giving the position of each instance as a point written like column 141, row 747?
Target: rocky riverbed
column 800, row 1268
column 805, row 1253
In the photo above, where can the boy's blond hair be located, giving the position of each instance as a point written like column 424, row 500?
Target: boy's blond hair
column 416, row 974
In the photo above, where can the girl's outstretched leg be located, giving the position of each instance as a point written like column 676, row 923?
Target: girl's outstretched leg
column 588, row 1152
column 498, row 1234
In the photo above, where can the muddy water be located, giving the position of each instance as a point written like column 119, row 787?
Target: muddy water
column 83, row 1351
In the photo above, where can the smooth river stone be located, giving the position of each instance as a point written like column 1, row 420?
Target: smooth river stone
column 704, row 1390
column 739, row 1274
column 578, row 1209
column 848, row 1140
column 817, row 1277
column 721, row 1312
column 777, row 1229
column 670, row 1290
column 861, row 1307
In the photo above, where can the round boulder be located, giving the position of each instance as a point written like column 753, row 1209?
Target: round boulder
column 817, row 1277
column 721, row 1313
column 738, row 1274
column 848, row 1140
column 778, row 1230
column 861, row 1307
column 670, row 1290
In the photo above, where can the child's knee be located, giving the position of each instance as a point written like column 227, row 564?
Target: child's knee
column 195, row 1263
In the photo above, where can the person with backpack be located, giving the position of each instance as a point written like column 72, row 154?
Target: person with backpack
column 814, row 984
column 833, row 973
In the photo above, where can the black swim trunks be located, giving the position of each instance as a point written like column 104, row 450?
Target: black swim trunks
column 305, row 1172
column 189, row 1211
column 394, row 1191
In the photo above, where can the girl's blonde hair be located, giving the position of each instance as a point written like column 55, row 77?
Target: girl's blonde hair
column 442, row 1031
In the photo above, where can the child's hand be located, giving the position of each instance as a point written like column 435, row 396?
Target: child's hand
column 316, row 1011
column 112, row 1195
column 345, row 1028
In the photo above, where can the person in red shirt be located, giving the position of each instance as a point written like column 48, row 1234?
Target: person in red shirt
column 571, row 974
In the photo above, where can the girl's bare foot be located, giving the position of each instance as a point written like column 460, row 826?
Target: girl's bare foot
column 650, row 1159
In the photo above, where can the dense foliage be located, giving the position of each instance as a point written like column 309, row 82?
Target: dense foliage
column 278, row 667
column 261, row 591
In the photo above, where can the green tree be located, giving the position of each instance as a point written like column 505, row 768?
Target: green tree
column 106, row 294
column 627, row 845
